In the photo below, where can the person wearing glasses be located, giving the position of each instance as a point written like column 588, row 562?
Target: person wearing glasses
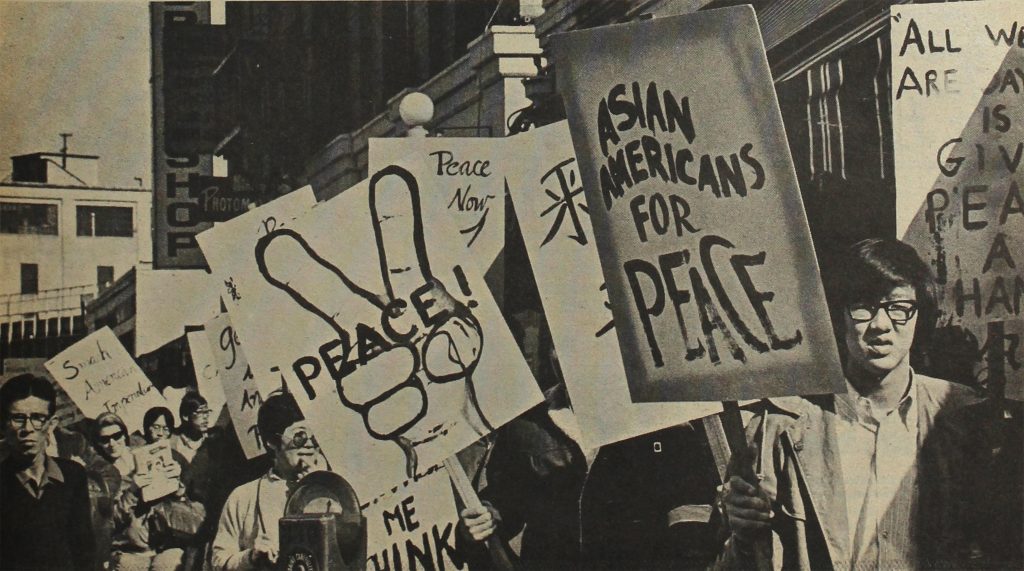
column 110, row 436
column 45, row 518
column 247, row 533
column 848, row 481
column 157, row 424
column 195, row 425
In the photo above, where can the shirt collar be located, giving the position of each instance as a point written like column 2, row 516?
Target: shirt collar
column 51, row 473
column 852, row 407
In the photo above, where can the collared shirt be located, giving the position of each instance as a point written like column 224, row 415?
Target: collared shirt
column 251, row 512
column 51, row 473
column 186, row 446
column 878, row 451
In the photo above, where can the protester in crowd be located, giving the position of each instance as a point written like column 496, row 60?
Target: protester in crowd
column 149, row 534
column 110, row 437
column 847, row 481
column 247, row 533
column 157, row 424
column 45, row 520
column 535, row 476
column 195, row 424
column 981, row 523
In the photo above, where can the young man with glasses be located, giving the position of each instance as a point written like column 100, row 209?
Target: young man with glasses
column 848, row 481
column 45, row 518
column 195, row 426
column 247, row 534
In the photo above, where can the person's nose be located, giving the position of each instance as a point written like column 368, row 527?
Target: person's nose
column 881, row 322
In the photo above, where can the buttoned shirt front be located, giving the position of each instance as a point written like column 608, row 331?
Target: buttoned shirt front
column 879, row 453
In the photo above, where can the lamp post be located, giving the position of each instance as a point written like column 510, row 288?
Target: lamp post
column 416, row 109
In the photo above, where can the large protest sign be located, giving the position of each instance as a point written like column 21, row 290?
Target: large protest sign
column 100, row 376
column 242, row 390
column 958, row 123
column 413, row 526
column 547, row 193
column 463, row 180
column 207, row 373
column 696, row 210
column 67, row 413
column 380, row 325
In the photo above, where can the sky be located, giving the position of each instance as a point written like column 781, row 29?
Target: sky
column 82, row 68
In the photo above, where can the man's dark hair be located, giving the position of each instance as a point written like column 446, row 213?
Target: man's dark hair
column 191, row 402
column 276, row 414
column 24, row 386
column 155, row 413
column 871, row 269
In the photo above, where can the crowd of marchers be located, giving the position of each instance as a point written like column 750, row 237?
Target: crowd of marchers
column 900, row 471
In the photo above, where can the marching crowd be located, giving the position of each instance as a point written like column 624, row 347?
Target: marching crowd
column 902, row 471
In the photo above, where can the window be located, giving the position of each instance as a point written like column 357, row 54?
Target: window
column 104, row 276
column 105, row 221
column 27, row 218
column 29, row 278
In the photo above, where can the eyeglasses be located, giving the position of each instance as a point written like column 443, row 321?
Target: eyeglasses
column 159, row 428
column 38, row 421
column 107, row 439
column 899, row 311
column 202, row 412
column 301, row 439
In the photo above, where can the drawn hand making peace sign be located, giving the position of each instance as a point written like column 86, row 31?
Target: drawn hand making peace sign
column 428, row 335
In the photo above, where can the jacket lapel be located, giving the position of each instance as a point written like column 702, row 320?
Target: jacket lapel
column 815, row 447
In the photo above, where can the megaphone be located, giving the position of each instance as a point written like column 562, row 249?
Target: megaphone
column 323, row 528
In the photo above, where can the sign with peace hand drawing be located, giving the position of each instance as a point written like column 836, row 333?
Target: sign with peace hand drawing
column 376, row 320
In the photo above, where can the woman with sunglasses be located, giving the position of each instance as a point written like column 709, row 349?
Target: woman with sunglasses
column 110, row 437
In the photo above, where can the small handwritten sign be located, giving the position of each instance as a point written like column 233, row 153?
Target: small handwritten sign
column 244, row 395
column 100, row 376
column 157, row 473
column 207, row 372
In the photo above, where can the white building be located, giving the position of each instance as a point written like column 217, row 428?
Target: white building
column 63, row 237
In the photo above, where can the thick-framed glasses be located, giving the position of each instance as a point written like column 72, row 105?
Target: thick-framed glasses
column 107, row 439
column 38, row 421
column 899, row 311
column 202, row 412
column 301, row 439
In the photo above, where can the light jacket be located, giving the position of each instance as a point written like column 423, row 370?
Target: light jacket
column 803, row 476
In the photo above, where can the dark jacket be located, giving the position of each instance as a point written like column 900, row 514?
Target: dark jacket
column 52, row 532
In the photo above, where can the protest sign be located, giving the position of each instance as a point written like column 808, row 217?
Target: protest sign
column 243, row 391
column 205, row 367
column 157, row 473
column 393, row 347
column 67, row 413
column 413, row 527
column 100, row 376
column 547, row 193
column 463, row 180
column 958, row 127
column 697, row 215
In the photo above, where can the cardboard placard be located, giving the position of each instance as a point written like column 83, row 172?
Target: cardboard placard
column 413, row 526
column 243, row 391
column 395, row 350
column 157, row 473
column 696, row 211
column 547, row 193
column 463, row 180
column 958, row 123
column 100, row 376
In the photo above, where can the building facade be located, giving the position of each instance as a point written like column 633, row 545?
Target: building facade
column 63, row 238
